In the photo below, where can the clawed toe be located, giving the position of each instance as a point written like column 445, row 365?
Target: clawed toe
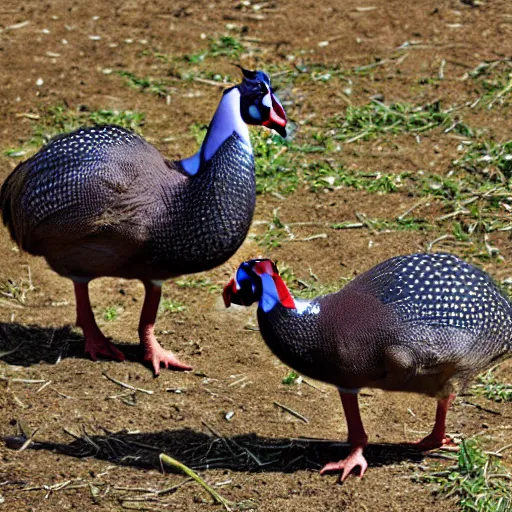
column 431, row 443
column 346, row 466
column 102, row 347
column 158, row 356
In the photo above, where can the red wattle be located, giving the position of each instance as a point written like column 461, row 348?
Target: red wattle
column 228, row 292
column 284, row 295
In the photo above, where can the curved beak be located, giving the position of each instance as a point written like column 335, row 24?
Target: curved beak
column 277, row 119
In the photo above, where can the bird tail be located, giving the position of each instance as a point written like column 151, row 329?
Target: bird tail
column 10, row 198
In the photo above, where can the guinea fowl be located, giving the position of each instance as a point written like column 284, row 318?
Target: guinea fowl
column 424, row 323
column 101, row 201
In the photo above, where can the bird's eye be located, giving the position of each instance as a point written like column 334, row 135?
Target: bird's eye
column 263, row 88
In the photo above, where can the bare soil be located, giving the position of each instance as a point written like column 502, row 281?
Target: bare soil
column 104, row 439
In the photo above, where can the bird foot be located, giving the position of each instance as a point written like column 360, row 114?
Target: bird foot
column 155, row 354
column 101, row 346
column 354, row 459
column 432, row 442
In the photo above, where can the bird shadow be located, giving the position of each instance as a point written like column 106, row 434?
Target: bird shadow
column 28, row 345
column 203, row 451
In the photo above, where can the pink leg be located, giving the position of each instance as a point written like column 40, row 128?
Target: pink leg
column 437, row 437
column 152, row 350
column 95, row 342
column 356, row 437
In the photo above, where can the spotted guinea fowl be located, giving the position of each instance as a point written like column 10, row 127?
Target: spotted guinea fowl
column 101, row 201
column 425, row 323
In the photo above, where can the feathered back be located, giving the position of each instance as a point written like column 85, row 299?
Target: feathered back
column 70, row 167
column 442, row 290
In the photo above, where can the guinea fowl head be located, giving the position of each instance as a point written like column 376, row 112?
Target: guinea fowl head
column 258, row 105
column 258, row 280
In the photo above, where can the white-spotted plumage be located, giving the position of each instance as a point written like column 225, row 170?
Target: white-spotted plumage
column 61, row 168
column 441, row 289
column 424, row 323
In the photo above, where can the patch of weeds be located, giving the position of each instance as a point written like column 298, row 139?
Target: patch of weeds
column 443, row 187
column 172, row 306
column 310, row 288
column 275, row 170
column 198, row 131
column 368, row 69
column 275, row 232
column 225, row 46
column 159, row 87
column 126, row 118
column 110, row 314
column 291, row 378
column 495, row 79
column 15, row 152
column 60, row 119
column 317, row 72
column 478, row 481
column 321, row 174
column 380, row 225
column 17, row 289
column 176, row 69
column 459, row 232
column 368, row 121
column 488, row 158
column 198, row 282
column 492, row 389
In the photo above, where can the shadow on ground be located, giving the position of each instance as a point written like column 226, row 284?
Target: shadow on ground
column 201, row 451
column 27, row 345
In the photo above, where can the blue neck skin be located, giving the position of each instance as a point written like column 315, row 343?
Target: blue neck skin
column 226, row 120
column 270, row 298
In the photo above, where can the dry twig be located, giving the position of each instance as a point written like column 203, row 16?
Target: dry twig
column 128, row 386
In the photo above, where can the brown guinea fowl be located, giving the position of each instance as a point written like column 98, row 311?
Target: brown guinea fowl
column 425, row 323
column 101, row 201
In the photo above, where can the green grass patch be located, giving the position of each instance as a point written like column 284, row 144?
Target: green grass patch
column 308, row 288
column 276, row 231
column 171, row 306
column 198, row 281
column 494, row 160
column 478, row 481
column 488, row 386
column 284, row 166
column 17, row 290
column 380, row 225
column 274, row 234
column 495, row 81
column 291, row 378
column 226, row 46
column 275, row 169
column 376, row 118
column 159, row 87
column 59, row 119
column 110, row 314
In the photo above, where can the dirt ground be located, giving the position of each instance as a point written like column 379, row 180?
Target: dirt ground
column 101, row 441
